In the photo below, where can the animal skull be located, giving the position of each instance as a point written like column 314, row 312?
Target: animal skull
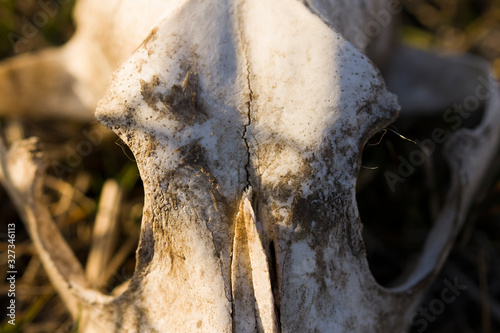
column 247, row 120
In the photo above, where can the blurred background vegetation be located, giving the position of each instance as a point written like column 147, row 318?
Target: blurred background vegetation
column 455, row 26
column 15, row 13
column 396, row 223
column 74, row 198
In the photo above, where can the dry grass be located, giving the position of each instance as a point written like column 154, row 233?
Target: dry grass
column 396, row 222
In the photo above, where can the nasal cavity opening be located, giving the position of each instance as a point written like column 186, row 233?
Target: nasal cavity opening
column 401, row 187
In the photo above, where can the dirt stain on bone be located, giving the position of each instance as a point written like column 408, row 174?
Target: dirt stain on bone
column 180, row 103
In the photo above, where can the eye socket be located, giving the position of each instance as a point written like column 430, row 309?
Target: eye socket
column 400, row 188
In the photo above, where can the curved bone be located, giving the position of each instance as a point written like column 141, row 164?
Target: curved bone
column 22, row 172
column 469, row 152
column 247, row 128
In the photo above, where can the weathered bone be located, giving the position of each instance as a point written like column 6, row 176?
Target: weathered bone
column 247, row 121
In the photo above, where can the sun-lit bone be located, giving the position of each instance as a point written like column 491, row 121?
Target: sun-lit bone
column 247, row 120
